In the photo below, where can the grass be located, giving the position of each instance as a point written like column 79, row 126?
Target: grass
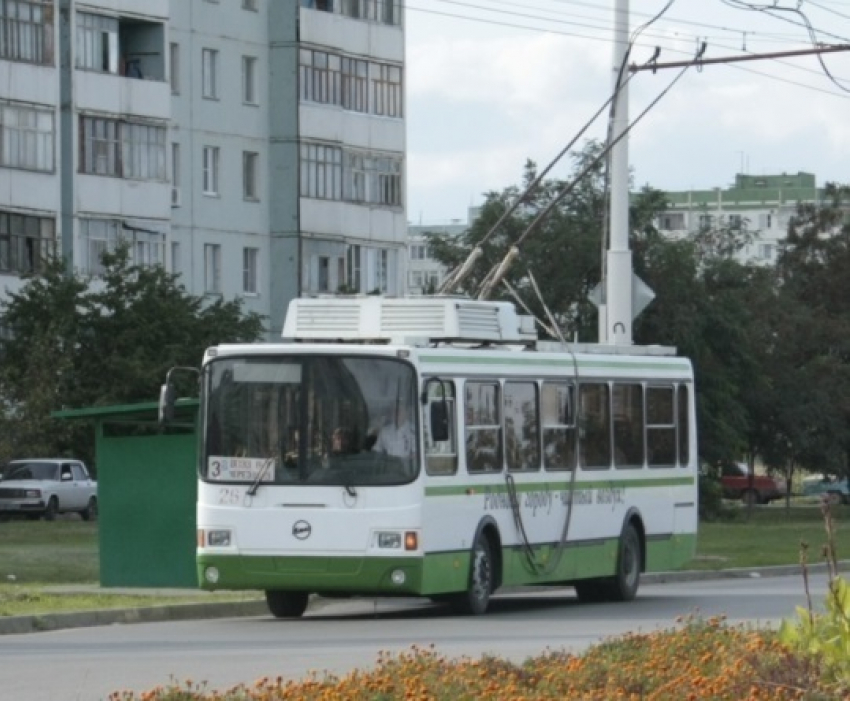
column 41, row 562
column 771, row 535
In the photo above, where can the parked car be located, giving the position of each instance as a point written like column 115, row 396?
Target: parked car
column 47, row 487
column 837, row 491
column 736, row 484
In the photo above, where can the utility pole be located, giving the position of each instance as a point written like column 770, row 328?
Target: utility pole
column 615, row 314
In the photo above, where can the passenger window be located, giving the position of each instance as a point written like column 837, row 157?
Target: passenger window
column 557, row 409
column 660, row 427
column 441, row 456
column 628, row 425
column 522, row 435
column 483, row 427
column 595, row 423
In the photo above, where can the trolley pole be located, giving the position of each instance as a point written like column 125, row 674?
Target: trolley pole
column 615, row 315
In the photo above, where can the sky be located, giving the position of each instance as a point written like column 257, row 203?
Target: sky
column 493, row 83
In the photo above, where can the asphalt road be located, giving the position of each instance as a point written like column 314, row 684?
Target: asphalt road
column 87, row 664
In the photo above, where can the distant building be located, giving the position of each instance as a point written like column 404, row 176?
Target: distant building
column 257, row 148
column 425, row 274
column 763, row 204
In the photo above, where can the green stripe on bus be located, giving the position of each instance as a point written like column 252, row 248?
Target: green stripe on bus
column 500, row 487
column 567, row 362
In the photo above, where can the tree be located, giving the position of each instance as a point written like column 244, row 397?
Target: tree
column 77, row 342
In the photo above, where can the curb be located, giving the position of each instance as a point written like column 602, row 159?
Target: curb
column 13, row 625
column 17, row 625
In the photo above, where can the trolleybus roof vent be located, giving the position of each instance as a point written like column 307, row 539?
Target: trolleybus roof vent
column 412, row 320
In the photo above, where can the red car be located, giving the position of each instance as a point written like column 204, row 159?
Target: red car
column 736, row 484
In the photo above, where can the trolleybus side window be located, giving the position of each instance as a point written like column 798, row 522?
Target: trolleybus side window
column 595, row 425
column 684, row 426
column 483, row 427
column 557, row 403
column 628, row 425
column 522, row 433
column 660, row 426
column 441, row 456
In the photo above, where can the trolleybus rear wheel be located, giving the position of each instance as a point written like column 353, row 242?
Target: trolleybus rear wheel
column 286, row 604
column 624, row 585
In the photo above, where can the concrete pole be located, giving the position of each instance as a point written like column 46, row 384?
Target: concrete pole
column 66, row 134
column 618, row 281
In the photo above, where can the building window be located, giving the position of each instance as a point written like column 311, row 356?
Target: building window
column 706, row 222
column 353, row 267
column 209, row 71
column 673, row 221
column 175, row 257
column 321, row 171
column 249, row 5
column 372, row 179
column 418, row 252
column 26, row 138
column 26, row 242
column 122, row 149
column 383, row 269
column 97, row 43
column 320, row 76
column 736, row 221
column 249, row 270
column 249, row 176
column 212, row 268
column 26, row 31
column 355, row 84
column 324, row 278
column 175, row 174
column 211, row 170
column 386, row 90
column 143, row 148
column 175, row 68
column 99, row 236
column 388, row 11
column 324, row 5
column 249, row 80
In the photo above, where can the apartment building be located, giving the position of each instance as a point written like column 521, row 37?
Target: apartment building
column 761, row 204
column 254, row 147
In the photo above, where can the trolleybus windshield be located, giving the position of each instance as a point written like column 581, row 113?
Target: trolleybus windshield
column 308, row 419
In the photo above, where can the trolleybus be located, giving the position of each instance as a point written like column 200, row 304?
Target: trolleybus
column 434, row 447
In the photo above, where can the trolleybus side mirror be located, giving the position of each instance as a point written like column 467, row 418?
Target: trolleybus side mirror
column 166, row 403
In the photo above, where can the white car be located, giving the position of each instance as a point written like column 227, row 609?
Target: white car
column 46, row 487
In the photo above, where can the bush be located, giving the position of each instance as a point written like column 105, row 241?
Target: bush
column 710, row 497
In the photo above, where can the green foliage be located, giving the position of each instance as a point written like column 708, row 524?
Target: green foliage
column 710, row 497
column 77, row 342
column 825, row 636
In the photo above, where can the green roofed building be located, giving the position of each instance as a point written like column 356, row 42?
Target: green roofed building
column 760, row 204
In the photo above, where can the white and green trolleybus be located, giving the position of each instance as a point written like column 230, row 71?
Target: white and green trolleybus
column 434, row 447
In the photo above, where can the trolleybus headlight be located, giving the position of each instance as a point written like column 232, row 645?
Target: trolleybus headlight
column 218, row 539
column 211, row 574
column 389, row 540
column 398, row 577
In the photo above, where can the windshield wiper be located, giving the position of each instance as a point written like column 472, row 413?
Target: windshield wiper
column 252, row 490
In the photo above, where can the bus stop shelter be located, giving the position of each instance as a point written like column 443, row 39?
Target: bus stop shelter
column 147, row 488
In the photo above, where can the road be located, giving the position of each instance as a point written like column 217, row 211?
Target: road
column 87, row 664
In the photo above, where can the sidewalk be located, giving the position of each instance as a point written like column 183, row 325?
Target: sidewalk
column 10, row 625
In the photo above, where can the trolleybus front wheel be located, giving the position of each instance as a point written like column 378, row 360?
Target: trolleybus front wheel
column 286, row 604
column 476, row 598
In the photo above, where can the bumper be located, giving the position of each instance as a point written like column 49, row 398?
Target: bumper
column 348, row 575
